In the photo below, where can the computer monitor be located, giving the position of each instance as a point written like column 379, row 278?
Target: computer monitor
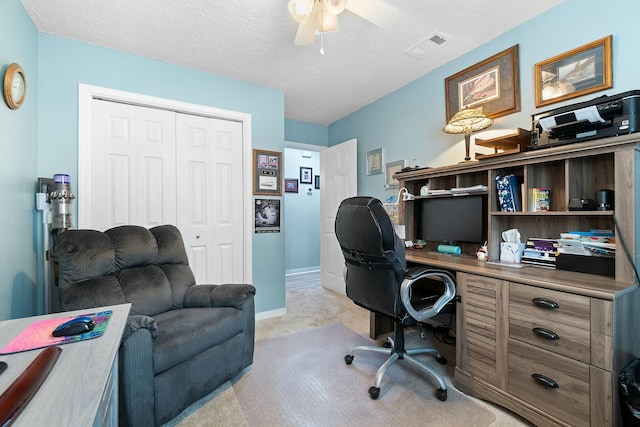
column 452, row 219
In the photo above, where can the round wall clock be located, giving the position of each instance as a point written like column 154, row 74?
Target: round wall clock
column 15, row 86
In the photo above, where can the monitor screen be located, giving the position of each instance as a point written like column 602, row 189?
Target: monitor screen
column 452, row 219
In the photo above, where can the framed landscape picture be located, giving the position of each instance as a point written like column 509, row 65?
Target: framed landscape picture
column 492, row 84
column 580, row 71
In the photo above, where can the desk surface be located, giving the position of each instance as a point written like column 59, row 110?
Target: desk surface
column 585, row 284
column 72, row 393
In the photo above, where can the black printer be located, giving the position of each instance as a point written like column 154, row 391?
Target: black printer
column 601, row 117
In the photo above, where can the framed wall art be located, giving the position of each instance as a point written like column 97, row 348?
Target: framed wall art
column 306, row 175
column 290, row 185
column 267, row 172
column 578, row 72
column 390, row 170
column 267, row 216
column 493, row 84
column 374, row 161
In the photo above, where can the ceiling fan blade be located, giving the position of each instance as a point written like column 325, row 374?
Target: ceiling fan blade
column 376, row 11
column 306, row 34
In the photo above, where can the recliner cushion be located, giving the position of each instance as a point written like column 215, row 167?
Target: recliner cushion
column 147, row 288
column 184, row 333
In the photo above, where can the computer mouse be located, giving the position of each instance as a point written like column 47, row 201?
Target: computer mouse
column 75, row 326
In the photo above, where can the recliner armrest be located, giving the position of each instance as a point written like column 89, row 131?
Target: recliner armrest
column 412, row 277
column 136, row 322
column 226, row 295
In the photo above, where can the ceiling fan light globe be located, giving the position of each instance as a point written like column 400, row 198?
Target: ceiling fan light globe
column 327, row 22
column 299, row 9
column 335, row 7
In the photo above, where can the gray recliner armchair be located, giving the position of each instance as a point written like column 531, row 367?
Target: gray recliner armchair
column 181, row 341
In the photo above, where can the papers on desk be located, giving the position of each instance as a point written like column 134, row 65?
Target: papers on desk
column 458, row 191
column 577, row 247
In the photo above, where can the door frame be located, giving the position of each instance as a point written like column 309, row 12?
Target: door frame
column 87, row 93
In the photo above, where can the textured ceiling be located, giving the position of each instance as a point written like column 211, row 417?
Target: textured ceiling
column 252, row 40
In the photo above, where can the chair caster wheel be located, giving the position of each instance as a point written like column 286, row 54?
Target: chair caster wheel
column 348, row 359
column 441, row 394
column 374, row 392
column 441, row 359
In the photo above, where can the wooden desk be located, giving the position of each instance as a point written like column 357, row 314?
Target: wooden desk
column 498, row 351
column 82, row 388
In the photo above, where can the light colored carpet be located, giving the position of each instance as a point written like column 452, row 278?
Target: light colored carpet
column 302, row 380
column 309, row 308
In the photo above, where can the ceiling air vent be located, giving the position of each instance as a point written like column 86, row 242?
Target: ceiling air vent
column 428, row 45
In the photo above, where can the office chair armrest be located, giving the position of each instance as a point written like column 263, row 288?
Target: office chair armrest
column 415, row 275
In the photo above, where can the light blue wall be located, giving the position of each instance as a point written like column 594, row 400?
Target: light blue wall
column 302, row 214
column 408, row 123
column 18, row 167
column 306, row 133
column 66, row 63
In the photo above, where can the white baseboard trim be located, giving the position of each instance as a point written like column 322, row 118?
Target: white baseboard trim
column 271, row 313
column 302, row 270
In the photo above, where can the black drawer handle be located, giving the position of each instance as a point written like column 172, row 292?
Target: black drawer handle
column 545, row 303
column 545, row 381
column 545, row 333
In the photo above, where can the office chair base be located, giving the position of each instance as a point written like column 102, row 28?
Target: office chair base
column 402, row 354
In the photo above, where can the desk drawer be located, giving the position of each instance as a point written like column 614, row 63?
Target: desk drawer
column 562, row 339
column 570, row 309
column 568, row 402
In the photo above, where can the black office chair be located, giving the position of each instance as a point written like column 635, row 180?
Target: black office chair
column 377, row 279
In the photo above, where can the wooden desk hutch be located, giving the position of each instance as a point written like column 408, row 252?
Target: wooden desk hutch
column 572, row 378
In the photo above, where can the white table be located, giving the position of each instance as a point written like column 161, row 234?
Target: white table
column 82, row 387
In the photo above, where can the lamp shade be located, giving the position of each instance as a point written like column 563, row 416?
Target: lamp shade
column 468, row 120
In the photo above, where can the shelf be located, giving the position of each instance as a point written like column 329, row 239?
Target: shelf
column 507, row 144
column 439, row 196
column 554, row 213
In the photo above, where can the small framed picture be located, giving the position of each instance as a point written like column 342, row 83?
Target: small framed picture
column 390, row 170
column 266, row 172
column 374, row 162
column 290, row 185
column 306, row 175
column 317, row 182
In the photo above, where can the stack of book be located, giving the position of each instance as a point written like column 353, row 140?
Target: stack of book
column 541, row 252
column 589, row 243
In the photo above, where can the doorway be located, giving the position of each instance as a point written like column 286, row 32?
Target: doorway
column 301, row 216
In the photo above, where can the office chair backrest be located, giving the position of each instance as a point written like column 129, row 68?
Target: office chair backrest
column 374, row 256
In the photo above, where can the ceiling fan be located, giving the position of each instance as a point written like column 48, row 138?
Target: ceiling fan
column 321, row 16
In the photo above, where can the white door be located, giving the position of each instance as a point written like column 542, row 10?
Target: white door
column 210, row 197
column 132, row 166
column 137, row 173
column 338, row 180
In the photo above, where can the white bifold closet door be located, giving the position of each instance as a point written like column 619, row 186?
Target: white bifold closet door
column 153, row 166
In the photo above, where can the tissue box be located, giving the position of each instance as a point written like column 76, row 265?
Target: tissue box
column 511, row 252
